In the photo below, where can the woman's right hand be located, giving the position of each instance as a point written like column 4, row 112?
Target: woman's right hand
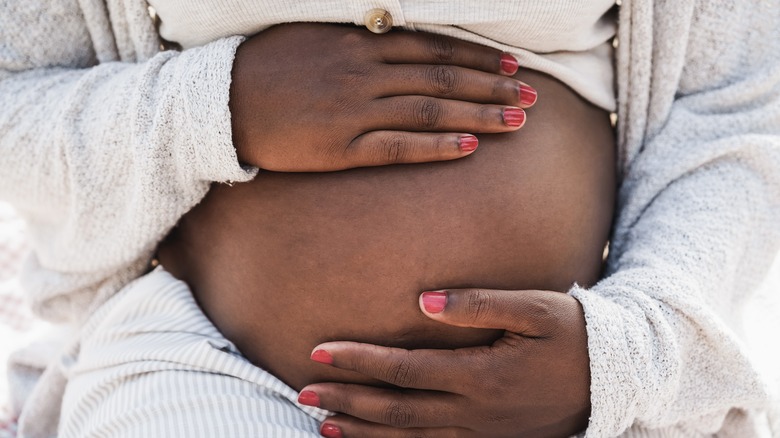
column 323, row 97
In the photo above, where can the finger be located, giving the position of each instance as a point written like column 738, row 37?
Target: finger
column 396, row 408
column 378, row 148
column 342, row 426
column 429, row 114
column 529, row 312
column 457, row 83
column 424, row 48
column 438, row 370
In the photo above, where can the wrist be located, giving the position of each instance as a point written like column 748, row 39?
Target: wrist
column 212, row 153
column 615, row 389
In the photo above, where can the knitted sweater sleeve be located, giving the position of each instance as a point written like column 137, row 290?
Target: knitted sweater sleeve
column 697, row 229
column 102, row 159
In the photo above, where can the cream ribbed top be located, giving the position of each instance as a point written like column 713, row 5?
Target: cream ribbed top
column 567, row 39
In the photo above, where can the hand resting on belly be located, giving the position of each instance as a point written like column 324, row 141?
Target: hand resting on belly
column 290, row 260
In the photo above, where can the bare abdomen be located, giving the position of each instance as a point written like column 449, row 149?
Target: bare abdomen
column 291, row 260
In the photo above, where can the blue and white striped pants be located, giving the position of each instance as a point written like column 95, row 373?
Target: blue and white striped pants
column 152, row 365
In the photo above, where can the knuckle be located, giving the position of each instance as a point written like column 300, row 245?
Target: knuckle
column 355, row 44
column 396, row 148
column 479, row 304
column 499, row 89
column 539, row 311
column 442, row 49
column 356, row 74
column 441, row 145
column 399, row 414
column 355, row 77
column 402, row 373
column 443, row 79
column 357, row 70
column 428, row 113
column 333, row 152
column 496, row 88
column 345, row 104
column 487, row 115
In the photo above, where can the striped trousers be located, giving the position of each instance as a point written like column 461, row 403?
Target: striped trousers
column 151, row 364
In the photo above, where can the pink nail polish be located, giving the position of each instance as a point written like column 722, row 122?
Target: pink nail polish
column 514, row 117
column 309, row 398
column 330, row 431
column 509, row 64
column 468, row 144
column 527, row 95
column 434, row 302
column 322, row 356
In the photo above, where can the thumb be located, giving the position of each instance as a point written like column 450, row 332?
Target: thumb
column 527, row 312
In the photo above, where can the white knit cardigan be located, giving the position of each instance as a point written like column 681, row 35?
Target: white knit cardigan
column 106, row 141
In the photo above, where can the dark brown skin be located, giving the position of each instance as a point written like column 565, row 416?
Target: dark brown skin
column 379, row 103
column 293, row 260
column 529, row 383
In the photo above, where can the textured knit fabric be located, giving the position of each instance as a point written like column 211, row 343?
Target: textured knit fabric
column 102, row 160
column 105, row 142
column 569, row 40
column 697, row 219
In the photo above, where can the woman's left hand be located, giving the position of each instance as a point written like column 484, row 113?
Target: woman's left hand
column 532, row 382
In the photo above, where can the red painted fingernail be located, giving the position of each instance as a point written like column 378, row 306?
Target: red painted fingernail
column 468, row 144
column 330, row 431
column 309, row 398
column 434, row 302
column 509, row 64
column 527, row 95
column 514, row 117
column 322, row 356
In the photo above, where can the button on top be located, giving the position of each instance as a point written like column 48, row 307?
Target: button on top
column 378, row 20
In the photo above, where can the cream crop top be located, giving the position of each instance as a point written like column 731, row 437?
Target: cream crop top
column 567, row 39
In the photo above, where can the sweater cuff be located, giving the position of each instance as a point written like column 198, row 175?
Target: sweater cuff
column 207, row 95
column 612, row 344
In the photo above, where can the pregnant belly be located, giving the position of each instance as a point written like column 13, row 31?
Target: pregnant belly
column 291, row 260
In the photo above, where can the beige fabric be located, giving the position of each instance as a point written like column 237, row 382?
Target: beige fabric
column 570, row 39
column 101, row 158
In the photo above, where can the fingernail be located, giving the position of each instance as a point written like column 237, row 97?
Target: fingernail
column 434, row 302
column 330, row 431
column 468, row 143
column 309, row 398
column 322, row 356
column 514, row 117
column 509, row 64
column 527, row 95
